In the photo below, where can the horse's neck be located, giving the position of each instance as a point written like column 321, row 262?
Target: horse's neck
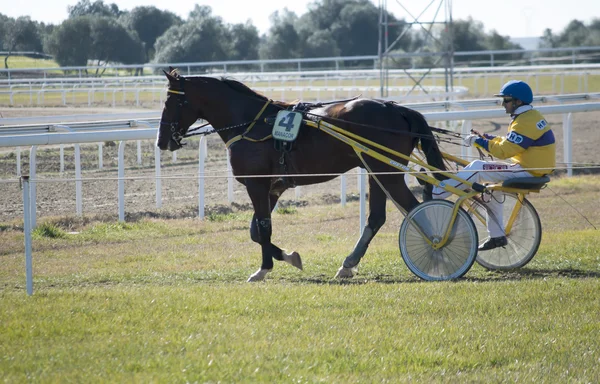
column 236, row 118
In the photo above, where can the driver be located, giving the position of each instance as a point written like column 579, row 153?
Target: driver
column 529, row 145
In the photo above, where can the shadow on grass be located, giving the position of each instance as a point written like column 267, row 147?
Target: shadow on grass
column 490, row 276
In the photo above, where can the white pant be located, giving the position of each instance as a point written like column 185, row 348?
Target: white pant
column 480, row 171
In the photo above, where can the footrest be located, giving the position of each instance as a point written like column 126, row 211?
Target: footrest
column 527, row 182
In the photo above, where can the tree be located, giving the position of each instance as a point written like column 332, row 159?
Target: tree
column 150, row 23
column 202, row 38
column 321, row 44
column 245, row 42
column 97, row 8
column 112, row 42
column 283, row 41
column 70, row 42
column 357, row 30
column 20, row 35
column 548, row 40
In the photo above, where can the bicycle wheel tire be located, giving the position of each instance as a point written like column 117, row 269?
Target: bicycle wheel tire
column 431, row 219
column 523, row 240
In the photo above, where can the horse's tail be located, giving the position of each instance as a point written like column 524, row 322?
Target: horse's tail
column 430, row 148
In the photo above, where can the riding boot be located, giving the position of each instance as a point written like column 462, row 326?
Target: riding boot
column 427, row 192
column 493, row 242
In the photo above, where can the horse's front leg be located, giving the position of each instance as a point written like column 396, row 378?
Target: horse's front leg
column 261, row 229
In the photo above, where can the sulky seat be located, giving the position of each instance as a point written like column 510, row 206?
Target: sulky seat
column 527, row 182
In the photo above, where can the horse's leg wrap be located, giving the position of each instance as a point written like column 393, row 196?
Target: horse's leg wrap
column 361, row 245
column 260, row 230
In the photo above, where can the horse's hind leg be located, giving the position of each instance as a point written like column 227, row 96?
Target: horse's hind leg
column 377, row 200
column 261, row 229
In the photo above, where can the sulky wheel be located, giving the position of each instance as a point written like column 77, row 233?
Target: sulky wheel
column 523, row 239
column 431, row 219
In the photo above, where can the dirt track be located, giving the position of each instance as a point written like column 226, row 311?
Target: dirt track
column 179, row 187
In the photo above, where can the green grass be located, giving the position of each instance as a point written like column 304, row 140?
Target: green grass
column 166, row 301
column 15, row 62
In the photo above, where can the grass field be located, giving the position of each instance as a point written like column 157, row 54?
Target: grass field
column 166, row 301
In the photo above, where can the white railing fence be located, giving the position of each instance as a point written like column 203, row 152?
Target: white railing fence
column 122, row 136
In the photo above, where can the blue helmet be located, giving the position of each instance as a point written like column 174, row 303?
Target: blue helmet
column 517, row 89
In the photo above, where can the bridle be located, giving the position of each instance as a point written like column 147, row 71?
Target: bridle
column 182, row 102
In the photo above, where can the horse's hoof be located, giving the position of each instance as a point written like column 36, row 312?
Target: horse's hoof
column 258, row 275
column 294, row 259
column 345, row 273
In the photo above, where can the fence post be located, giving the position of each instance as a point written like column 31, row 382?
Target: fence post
column 27, row 232
column 201, row 158
column 139, row 152
column 121, row 182
column 343, row 190
column 568, row 155
column 62, row 158
column 100, row 156
column 78, row 182
column 32, row 185
column 157, row 177
column 229, row 179
column 362, row 187
column 466, row 152
column 18, row 161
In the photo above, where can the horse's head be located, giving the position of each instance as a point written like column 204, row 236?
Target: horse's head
column 178, row 113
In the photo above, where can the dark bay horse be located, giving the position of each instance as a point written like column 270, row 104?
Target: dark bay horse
column 238, row 115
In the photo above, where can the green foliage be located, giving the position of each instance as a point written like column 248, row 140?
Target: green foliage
column 48, row 230
column 150, row 23
column 112, row 42
column 19, row 35
column 283, row 39
column 97, row 8
column 329, row 28
column 245, row 42
column 287, row 210
column 202, row 38
column 221, row 217
column 70, row 43
column 575, row 34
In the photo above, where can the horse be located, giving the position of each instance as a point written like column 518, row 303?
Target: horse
column 240, row 116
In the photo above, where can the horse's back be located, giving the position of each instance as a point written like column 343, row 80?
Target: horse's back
column 366, row 116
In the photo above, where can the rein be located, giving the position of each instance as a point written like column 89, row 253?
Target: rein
column 177, row 136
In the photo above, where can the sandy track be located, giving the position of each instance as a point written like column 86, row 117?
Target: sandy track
column 180, row 189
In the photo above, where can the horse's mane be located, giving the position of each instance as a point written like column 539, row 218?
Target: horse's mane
column 236, row 86
column 244, row 89
column 241, row 87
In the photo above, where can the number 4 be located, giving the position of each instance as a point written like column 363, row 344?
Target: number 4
column 287, row 121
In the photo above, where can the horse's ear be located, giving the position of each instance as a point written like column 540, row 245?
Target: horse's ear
column 170, row 77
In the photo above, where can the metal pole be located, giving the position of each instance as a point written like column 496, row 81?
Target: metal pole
column 18, row 161
column 157, row 177
column 362, row 183
column 78, row 182
column 139, row 152
column 27, row 232
column 100, row 156
column 33, row 186
column 343, row 190
column 568, row 154
column 229, row 180
column 121, row 181
column 62, row 158
column 201, row 157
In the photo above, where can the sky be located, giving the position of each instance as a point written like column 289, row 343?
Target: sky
column 513, row 18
